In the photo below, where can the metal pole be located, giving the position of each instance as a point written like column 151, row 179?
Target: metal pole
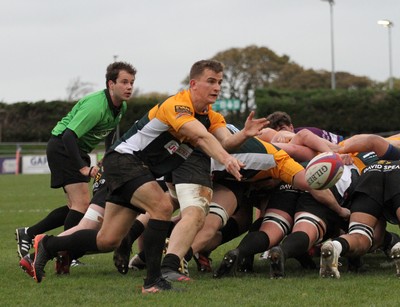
column 333, row 79
column 390, row 58
column 389, row 24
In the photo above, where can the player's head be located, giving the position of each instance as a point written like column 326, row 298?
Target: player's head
column 280, row 121
column 199, row 67
column 114, row 68
column 205, row 82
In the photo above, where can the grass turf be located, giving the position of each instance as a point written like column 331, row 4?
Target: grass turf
column 25, row 199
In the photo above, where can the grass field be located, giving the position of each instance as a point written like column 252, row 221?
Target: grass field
column 25, row 199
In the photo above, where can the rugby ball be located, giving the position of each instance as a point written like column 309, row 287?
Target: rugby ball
column 324, row 170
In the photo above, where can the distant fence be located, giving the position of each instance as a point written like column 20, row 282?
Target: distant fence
column 30, row 158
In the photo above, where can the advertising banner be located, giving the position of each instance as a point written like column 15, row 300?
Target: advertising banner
column 8, row 165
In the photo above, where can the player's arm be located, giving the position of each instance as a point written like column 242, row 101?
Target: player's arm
column 70, row 141
column 253, row 127
column 110, row 139
column 307, row 138
column 366, row 142
column 298, row 152
column 267, row 134
column 324, row 197
column 283, row 136
column 198, row 136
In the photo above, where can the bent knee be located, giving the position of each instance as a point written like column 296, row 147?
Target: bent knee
column 107, row 243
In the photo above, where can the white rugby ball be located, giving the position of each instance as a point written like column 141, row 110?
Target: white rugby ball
column 324, row 170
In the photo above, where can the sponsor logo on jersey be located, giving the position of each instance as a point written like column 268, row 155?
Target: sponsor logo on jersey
column 382, row 166
column 182, row 110
column 183, row 150
column 171, row 146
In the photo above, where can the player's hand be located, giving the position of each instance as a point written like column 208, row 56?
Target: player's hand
column 345, row 214
column 89, row 171
column 254, row 126
column 233, row 166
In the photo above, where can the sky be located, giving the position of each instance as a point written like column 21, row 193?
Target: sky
column 46, row 44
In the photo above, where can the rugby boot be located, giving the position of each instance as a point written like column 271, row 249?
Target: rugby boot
column 277, row 262
column 228, row 264
column 329, row 261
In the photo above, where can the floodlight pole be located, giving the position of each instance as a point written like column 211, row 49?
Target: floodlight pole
column 389, row 24
column 333, row 79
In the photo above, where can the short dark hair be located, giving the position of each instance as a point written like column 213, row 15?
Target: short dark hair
column 199, row 67
column 114, row 68
column 278, row 119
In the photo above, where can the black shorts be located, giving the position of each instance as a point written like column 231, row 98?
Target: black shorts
column 64, row 170
column 124, row 174
column 380, row 185
column 284, row 199
column 256, row 198
column 239, row 189
column 99, row 190
column 307, row 203
column 99, row 196
column 196, row 169
column 364, row 203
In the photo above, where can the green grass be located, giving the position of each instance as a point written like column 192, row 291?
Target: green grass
column 25, row 199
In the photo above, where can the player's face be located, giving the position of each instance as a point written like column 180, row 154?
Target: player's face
column 207, row 87
column 122, row 89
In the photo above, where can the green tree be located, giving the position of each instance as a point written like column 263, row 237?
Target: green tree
column 247, row 69
column 252, row 67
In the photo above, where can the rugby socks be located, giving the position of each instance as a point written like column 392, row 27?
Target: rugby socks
column 78, row 243
column 171, row 261
column 256, row 224
column 52, row 221
column 142, row 256
column 154, row 241
column 341, row 245
column 253, row 243
column 189, row 255
column 387, row 240
column 136, row 230
column 73, row 219
column 295, row 244
column 230, row 231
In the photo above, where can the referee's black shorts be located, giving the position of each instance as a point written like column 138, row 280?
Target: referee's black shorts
column 64, row 170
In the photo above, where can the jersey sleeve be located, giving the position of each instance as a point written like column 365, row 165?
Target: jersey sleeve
column 217, row 121
column 175, row 113
column 87, row 115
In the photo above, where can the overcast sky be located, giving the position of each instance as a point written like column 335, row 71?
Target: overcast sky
column 45, row 44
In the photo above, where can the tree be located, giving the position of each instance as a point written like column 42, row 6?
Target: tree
column 77, row 89
column 247, row 69
column 253, row 67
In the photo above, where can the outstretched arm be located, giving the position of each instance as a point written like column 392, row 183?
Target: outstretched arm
column 306, row 138
column 252, row 127
column 198, row 136
column 325, row 197
column 365, row 142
